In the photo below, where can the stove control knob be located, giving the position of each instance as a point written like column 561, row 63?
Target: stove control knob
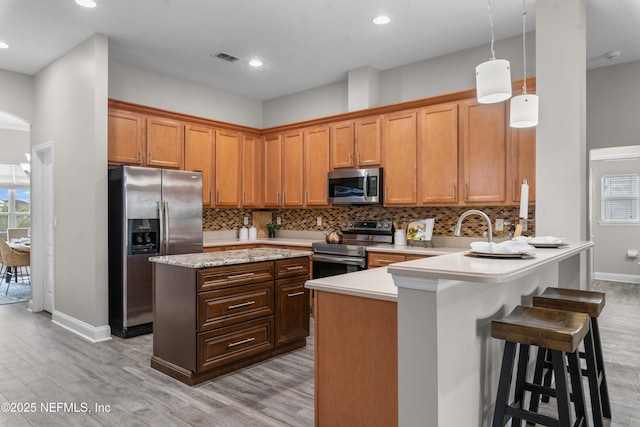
column 379, row 225
column 351, row 224
column 386, row 225
column 344, row 224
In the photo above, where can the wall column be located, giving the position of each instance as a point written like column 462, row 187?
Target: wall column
column 561, row 158
column 364, row 88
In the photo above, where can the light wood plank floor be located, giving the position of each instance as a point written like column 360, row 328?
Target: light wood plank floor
column 43, row 363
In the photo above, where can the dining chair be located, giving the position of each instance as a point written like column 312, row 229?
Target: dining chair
column 15, row 260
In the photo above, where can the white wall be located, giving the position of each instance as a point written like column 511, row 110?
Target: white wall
column 13, row 145
column 17, row 94
column 140, row 86
column 71, row 112
column 613, row 110
column 448, row 73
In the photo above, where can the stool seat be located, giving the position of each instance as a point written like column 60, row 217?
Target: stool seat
column 542, row 327
column 590, row 302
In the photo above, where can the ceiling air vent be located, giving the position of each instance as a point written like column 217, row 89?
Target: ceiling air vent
column 226, row 57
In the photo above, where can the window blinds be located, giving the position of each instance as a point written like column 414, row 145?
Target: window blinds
column 620, row 197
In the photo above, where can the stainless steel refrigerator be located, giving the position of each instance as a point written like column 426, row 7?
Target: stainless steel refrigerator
column 151, row 212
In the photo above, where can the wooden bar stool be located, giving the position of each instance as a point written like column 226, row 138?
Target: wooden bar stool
column 560, row 333
column 591, row 303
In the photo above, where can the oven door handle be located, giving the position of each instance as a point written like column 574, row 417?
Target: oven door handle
column 360, row 262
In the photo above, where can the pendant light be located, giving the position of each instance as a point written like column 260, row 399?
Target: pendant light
column 524, row 108
column 493, row 77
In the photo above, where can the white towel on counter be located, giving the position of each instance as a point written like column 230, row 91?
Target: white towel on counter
column 515, row 246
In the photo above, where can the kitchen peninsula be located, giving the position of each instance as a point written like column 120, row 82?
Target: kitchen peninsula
column 220, row 311
column 448, row 364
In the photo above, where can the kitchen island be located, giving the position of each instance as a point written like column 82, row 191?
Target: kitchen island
column 217, row 312
column 448, row 364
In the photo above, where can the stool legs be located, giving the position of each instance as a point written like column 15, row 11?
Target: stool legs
column 602, row 378
column 502, row 400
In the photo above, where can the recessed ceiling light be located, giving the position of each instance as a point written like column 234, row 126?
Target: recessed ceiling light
column 3, row 45
column 256, row 63
column 381, row 20
column 86, row 3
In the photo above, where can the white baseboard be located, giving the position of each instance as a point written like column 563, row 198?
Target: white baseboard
column 615, row 277
column 78, row 327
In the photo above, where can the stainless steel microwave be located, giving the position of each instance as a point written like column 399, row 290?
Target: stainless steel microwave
column 356, row 187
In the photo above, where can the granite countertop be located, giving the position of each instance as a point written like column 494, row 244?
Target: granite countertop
column 241, row 256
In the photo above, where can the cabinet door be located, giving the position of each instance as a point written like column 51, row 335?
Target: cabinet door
column 316, row 165
column 438, row 154
column 400, row 158
column 126, row 137
column 252, row 152
column 522, row 158
column 272, row 170
column 483, row 146
column 342, row 145
column 227, row 168
column 292, row 168
column 368, row 142
column 165, row 148
column 292, row 310
column 198, row 155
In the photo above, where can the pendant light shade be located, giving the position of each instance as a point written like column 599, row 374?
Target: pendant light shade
column 493, row 81
column 524, row 111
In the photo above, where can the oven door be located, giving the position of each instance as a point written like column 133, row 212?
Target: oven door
column 332, row 265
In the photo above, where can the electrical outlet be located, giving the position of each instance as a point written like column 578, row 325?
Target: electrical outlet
column 319, row 220
column 278, row 220
column 499, row 224
column 246, row 220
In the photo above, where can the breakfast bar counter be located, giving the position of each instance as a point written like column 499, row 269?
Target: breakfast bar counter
column 441, row 308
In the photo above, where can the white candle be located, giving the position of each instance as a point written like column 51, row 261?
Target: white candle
column 524, row 200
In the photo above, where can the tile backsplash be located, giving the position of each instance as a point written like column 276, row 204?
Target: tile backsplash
column 305, row 219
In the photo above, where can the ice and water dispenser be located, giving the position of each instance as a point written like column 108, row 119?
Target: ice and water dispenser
column 144, row 236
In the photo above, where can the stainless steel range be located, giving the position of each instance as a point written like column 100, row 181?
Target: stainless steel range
column 330, row 259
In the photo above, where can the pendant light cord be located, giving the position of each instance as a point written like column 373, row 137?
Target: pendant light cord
column 524, row 47
column 490, row 7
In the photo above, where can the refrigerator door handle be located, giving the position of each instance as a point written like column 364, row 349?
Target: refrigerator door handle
column 167, row 237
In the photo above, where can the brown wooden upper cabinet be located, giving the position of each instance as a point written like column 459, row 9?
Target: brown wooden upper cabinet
column 142, row 140
column 199, row 145
column 483, row 153
column 293, row 168
column 400, row 179
column 228, row 162
column 356, row 143
column 438, row 154
column 522, row 162
column 273, row 170
column 252, row 170
column 316, row 165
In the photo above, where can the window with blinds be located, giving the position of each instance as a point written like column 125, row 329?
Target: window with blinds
column 620, row 198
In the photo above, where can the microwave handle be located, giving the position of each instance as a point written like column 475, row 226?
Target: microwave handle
column 366, row 185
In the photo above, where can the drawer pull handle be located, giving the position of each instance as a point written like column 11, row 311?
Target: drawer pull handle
column 388, row 261
column 295, row 294
column 240, row 276
column 233, row 344
column 243, row 304
column 297, row 267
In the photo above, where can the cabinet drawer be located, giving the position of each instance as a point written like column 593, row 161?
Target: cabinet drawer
column 384, row 259
column 292, row 267
column 229, row 344
column 224, row 307
column 234, row 275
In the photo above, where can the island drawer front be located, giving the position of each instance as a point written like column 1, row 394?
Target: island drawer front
column 234, row 275
column 232, row 343
column 292, row 267
column 224, row 307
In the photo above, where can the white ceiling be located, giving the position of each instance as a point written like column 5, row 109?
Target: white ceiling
column 303, row 44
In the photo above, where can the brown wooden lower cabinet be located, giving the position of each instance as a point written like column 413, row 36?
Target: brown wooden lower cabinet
column 211, row 321
column 356, row 361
